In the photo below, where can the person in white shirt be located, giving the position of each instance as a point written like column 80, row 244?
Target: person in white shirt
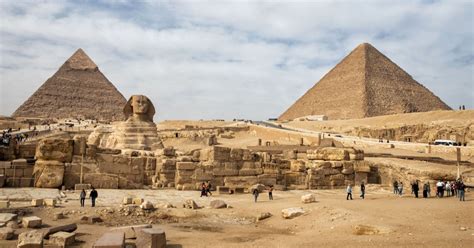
column 349, row 192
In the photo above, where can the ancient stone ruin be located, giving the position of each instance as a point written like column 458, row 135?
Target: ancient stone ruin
column 365, row 83
column 130, row 154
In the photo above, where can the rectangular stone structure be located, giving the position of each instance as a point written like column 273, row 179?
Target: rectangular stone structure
column 151, row 238
column 62, row 239
column 4, row 204
column 239, row 190
column 37, row 202
column 222, row 190
column 32, row 222
column 111, row 240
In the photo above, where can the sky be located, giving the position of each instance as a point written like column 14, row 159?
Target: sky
column 232, row 59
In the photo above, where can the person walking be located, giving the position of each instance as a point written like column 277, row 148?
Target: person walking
column 395, row 187
column 362, row 190
column 208, row 188
column 93, row 195
column 439, row 188
column 462, row 187
column 203, row 190
column 400, row 188
column 270, row 193
column 349, row 192
column 255, row 194
column 429, row 189
column 83, row 197
column 448, row 189
column 425, row 190
column 416, row 188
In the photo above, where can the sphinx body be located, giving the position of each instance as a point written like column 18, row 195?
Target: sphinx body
column 138, row 132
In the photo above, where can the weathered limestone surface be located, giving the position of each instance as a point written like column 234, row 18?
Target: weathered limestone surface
column 111, row 240
column 32, row 239
column 151, row 238
column 62, row 239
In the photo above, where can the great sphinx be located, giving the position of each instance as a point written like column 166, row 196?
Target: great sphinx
column 137, row 133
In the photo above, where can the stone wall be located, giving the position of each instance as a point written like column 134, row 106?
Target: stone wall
column 16, row 173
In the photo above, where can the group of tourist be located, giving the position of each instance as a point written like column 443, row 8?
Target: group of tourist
column 256, row 192
column 8, row 136
column 456, row 188
column 349, row 191
column 92, row 195
column 206, row 189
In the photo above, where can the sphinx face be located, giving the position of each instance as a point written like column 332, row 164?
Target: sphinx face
column 140, row 105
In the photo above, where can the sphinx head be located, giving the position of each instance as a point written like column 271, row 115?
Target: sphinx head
column 139, row 107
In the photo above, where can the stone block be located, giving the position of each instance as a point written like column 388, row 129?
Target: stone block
column 4, row 204
column 130, row 231
column 226, row 172
column 101, row 180
column 297, row 166
column 242, row 181
column 26, row 182
column 290, row 213
column 62, row 239
column 6, row 217
column 32, row 222
column 37, row 202
column 111, row 240
column 49, row 174
column 6, row 233
column 147, row 205
column 151, row 238
column 169, row 151
column 308, row 198
column 55, row 149
column 328, row 154
column 50, row 202
column 236, row 154
column 127, row 200
column 91, row 219
column 218, row 204
column 185, row 166
column 32, row 239
column 222, row 190
column 63, row 228
column 250, row 172
column 190, row 204
column 219, row 153
column 2, row 180
column 137, row 201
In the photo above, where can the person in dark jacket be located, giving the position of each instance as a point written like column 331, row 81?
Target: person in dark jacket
column 93, row 195
column 83, row 197
column 362, row 190
column 416, row 188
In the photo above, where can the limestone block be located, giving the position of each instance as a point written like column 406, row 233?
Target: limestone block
column 218, row 204
column 130, row 231
column 185, row 165
column 336, row 177
column 147, row 205
column 247, row 155
column 62, row 239
column 91, row 219
column 290, row 213
column 240, row 181
column 32, row 222
column 32, row 239
column 222, row 190
column 127, row 200
column 169, row 151
column 267, row 179
column 348, row 171
column 219, row 153
column 264, row 215
column 329, row 154
column 236, row 154
column 55, row 149
column 226, row 172
column 308, row 198
column 102, row 180
column 138, row 201
column 6, row 233
column 6, row 217
column 63, row 228
column 297, row 165
column 151, row 238
column 190, row 204
column 336, row 164
column 4, row 204
column 361, row 166
column 48, row 174
column 83, row 186
column 50, row 202
column 111, row 240
column 250, row 172
column 2, row 179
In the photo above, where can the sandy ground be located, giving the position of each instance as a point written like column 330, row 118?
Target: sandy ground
column 383, row 219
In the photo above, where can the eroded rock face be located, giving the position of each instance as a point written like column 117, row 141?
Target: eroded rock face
column 55, row 149
column 138, row 132
column 49, row 174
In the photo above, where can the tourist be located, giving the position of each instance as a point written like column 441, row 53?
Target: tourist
column 93, row 195
column 425, row 190
column 203, row 189
column 395, row 187
column 270, row 192
column 429, row 189
column 439, row 189
column 208, row 188
column 349, row 192
column 462, row 187
column 454, row 188
column 400, row 188
column 448, row 189
column 255, row 194
column 416, row 188
column 83, row 197
column 362, row 190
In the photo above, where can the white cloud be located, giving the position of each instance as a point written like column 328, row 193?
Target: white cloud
column 248, row 60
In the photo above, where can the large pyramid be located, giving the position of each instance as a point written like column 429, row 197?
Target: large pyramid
column 364, row 84
column 77, row 90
